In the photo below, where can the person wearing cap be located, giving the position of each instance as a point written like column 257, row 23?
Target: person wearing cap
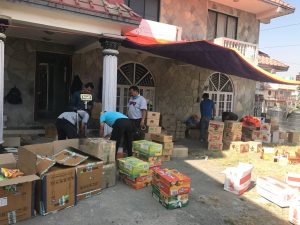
column 71, row 124
column 121, row 128
column 137, row 108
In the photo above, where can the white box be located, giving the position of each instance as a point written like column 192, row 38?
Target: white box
column 293, row 179
column 294, row 214
column 238, row 179
column 276, row 191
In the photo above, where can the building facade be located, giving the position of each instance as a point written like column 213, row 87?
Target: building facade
column 48, row 43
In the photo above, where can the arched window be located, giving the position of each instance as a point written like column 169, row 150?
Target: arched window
column 134, row 74
column 220, row 90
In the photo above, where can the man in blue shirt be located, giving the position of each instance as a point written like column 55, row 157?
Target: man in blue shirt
column 207, row 110
column 121, row 128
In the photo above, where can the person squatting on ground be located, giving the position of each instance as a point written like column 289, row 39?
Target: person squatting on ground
column 137, row 108
column 207, row 110
column 121, row 128
column 71, row 124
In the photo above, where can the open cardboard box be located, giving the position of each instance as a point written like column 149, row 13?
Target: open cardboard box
column 60, row 184
column 16, row 202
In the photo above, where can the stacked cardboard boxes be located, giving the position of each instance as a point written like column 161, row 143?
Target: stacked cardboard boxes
column 251, row 134
column 148, row 151
column 16, row 194
column 167, row 145
column 105, row 150
column 152, row 122
column 66, row 173
column 294, row 137
column 215, row 135
column 169, row 123
column 265, row 129
column 232, row 132
column 180, row 130
column 135, row 172
column 171, row 188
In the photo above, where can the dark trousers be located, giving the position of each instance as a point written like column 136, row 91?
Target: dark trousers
column 137, row 132
column 65, row 129
column 123, row 129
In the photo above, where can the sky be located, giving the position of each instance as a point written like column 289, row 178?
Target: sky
column 275, row 41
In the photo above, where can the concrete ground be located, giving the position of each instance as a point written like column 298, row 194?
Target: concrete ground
column 209, row 203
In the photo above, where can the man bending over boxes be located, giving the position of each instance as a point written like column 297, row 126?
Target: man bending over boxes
column 121, row 128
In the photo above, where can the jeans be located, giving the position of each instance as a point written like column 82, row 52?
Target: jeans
column 204, row 122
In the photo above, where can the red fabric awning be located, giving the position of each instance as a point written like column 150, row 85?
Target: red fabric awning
column 207, row 55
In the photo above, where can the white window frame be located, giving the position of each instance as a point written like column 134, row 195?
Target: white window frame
column 122, row 100
column 215, row 95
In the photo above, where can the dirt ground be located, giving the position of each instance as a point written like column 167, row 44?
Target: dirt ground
column 209, row 203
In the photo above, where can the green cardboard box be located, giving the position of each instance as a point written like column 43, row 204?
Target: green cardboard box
column 133, row 167
column 148, row 148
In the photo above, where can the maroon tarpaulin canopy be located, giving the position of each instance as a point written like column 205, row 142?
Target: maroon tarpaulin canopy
column 207, row 55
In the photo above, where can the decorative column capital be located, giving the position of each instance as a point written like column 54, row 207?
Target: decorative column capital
column 109, row 47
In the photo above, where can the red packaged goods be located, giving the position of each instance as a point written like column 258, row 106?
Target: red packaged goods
column 215, row 146
column 171, row 182
column 251, row 121
column 215, row 126
column 215, row 137
column 266, row 127
column 293, row 179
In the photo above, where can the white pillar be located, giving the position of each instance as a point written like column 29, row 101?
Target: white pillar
column 2, row 39
column 110, row 70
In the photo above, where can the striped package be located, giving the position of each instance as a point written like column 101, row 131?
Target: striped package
column 238, row 179
column 276, row 191
column 293, row 179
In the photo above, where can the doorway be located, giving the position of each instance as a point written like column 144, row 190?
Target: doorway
column 52, row 84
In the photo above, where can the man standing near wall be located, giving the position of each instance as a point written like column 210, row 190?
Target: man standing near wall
column 208, row 112
column 137, row 108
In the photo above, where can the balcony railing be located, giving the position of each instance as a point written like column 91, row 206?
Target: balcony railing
column 249, row 50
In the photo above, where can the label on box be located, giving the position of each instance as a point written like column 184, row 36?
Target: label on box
column 3, row 201
column 12, row 217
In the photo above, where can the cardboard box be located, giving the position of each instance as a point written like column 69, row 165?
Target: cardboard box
column 170, row 128
column 266, row 137
column 215, row 146
column 167, row 151
column 96, row 110
column 294, row 213
column 68, row 158
column 152, row 160
column 233, row 126
column 238, row 179
column 152, row 122
column 215, row 137
column 170, row 202
column 154, row 130
column 239, row 146
column 293, row 179
column 166, row 158
column 161, row 138
column 133, row 167
column 180, row 151
column 109, row 175
column 148, row 137
column 11, row 141
column 171, row 182
column 16, row 205
column 153, row 115
column 232, row 136
column 265, row 127
column 89, row 179
column 276, row 191
column 215, row 126
column 50, row 130
column 294, row 137
column 56, row 190
column 100, row 148
column 148, row 148
column 255, row 146
column 137, row 183
column 168, row 120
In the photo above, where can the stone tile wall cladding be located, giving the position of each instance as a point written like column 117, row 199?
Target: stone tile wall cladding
column 19, row 71
column 193, row 19
column 177, row 85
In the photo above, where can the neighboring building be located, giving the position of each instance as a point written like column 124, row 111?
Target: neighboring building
column 50, row 41
column 268, row 95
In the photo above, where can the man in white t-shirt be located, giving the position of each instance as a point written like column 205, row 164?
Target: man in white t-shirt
column 137, row 108
column 71, row 124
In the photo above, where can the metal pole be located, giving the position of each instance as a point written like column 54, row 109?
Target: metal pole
column 2, row 39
